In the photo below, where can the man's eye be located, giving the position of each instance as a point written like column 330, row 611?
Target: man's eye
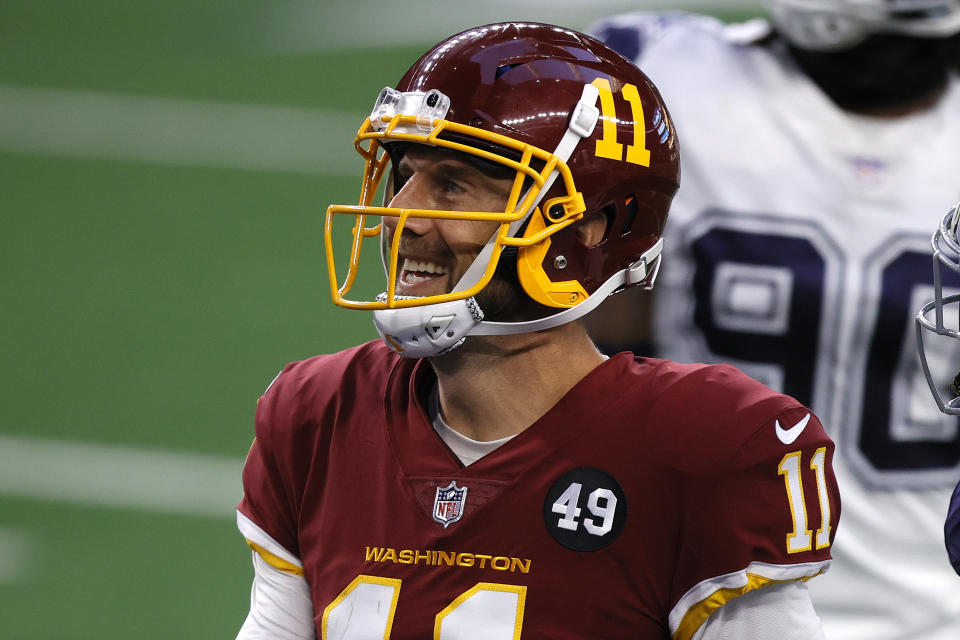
column 398, row 181
column 453, row 187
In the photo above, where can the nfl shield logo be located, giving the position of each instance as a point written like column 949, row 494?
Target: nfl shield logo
column 448, row 505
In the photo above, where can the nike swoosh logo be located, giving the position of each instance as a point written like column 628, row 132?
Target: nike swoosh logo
column 787, row 436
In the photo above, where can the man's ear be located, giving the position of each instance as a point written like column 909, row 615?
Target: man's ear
column 591, row 230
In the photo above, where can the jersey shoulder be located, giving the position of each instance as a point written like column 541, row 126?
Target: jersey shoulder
column 295, row 421
column 639, row 34
column 749, row 464
column 707, row 418
column 306, row 391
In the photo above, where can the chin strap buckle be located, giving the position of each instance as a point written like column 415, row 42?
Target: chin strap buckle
column 647, row 267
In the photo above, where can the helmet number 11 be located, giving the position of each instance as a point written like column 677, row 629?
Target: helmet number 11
column 607, row 145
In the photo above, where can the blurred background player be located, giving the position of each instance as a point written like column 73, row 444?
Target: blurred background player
column 815, row 149
column 483, row 471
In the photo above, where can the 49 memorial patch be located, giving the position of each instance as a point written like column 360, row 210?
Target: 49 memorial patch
column 585, row 509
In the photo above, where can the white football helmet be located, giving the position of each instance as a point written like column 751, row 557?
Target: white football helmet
column 946, row 253
column 829, row 25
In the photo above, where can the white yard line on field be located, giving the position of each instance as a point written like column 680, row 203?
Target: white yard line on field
column 178, row 132
column 126, row 477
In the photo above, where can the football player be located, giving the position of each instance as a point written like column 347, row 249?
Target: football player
column 483, row 471
column 951, row 530
column 816, row 145
column 944, row 321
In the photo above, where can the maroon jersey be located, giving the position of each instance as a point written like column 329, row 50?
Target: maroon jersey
column 651, row 494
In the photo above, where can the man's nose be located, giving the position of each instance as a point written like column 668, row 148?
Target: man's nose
column 413, row 195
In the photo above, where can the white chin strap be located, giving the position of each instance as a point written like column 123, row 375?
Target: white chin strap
column 429, row 330
column 434, row 329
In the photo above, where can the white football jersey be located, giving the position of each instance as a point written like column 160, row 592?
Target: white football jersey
column 798, row 248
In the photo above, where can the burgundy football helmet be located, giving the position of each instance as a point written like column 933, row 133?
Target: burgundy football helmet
column 580, row 128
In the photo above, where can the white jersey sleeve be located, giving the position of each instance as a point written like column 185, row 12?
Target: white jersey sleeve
column 782, row 611
column 634, row 34
column 280, row 603
column 280, row 606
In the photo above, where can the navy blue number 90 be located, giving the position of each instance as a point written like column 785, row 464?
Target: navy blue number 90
column 773, row 302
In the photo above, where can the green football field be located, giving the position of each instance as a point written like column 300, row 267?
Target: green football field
column 164, row 171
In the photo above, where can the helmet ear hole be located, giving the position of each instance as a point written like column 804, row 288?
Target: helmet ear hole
column 592, row 230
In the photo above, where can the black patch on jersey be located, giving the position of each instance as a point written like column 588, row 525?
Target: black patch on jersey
column 585, row 509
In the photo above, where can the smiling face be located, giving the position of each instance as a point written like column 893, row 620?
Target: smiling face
column 435, row 253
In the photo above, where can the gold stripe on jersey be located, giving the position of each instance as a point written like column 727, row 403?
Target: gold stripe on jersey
column 276, row 561
column 698, row 613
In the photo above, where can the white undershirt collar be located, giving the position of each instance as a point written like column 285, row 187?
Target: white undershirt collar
column 466, row 449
